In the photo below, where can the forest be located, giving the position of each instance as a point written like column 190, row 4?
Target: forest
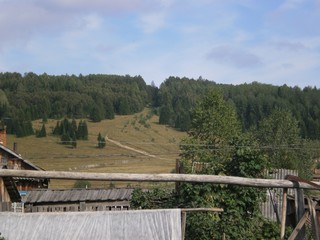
column 253, row 102
column 27, row 97
column 96, row 97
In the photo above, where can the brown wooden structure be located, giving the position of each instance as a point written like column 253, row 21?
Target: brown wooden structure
column 77, row 200
column 213, row 179
column 10, row 186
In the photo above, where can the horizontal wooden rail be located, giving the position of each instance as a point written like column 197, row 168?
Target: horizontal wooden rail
column 201, row 209
column 132, row 177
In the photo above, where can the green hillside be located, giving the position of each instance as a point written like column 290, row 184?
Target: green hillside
column 135, row 144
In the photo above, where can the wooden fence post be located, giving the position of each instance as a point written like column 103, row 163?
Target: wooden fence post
column 300, row 211
column 183, row 224
column 284, row 213
column 178, row 168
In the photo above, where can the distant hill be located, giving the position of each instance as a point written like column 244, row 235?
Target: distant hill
column 253, row 102
column 24, row 98
column 135, row 144
column 97, row 97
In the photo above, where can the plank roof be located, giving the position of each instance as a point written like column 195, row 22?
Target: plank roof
column 78, row 195
column 18, row 156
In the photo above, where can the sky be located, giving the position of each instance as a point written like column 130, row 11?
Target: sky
column 226, row 41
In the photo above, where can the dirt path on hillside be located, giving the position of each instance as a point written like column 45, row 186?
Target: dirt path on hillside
column 129, row 148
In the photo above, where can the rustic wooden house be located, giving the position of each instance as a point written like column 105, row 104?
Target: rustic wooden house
column 12, row 187
column 77, row 200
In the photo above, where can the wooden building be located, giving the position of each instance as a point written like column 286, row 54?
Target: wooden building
column 77, row 200
column 12, row 187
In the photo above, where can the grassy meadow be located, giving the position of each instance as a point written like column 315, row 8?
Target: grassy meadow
column 140, row 145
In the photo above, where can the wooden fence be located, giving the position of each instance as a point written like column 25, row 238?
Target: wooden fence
column 213, row 179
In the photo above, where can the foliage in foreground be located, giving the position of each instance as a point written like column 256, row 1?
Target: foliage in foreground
column 216, row 146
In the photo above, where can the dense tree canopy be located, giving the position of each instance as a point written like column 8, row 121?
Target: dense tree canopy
column 30, row 96
column 253, row 102
column 279, row 137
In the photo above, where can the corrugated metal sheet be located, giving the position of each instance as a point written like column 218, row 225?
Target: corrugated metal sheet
column 126, row 225
column 78, row 195
column 273, row 202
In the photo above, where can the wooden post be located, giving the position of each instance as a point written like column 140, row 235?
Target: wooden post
column 177, row 171
column 299, row 226
column 314, row 221
column 284, row 213
column 183, row 224
column 300, row 212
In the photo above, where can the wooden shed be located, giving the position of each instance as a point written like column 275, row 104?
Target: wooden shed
column 9, row 159
column 11, row 187
column 75, row 200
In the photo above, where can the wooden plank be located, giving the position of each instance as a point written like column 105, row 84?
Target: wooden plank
column 201, row 209
column 284, row 213
column 299, row 226
column 214, row 179
column 300, row 211
column 183, row 224
column 314, row 220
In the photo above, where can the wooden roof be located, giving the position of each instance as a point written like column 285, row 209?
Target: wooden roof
column 18, row 156
column 78, row 195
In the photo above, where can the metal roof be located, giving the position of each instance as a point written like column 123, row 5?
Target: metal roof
column 77, row 195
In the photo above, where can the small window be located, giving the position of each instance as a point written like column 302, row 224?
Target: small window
column 4, row 160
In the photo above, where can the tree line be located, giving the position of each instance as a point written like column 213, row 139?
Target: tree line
column 253, row 102
column 27, row 97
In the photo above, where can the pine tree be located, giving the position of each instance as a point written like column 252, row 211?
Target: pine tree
column 74, row 126
column 65, row 138
column 56, row 130
column 85, row 131
column 42, row 132
column 101, row 141
column 96, row 114
column 82, row 132
column 74, row 142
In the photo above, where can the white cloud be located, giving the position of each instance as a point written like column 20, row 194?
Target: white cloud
column 152, row 22
column 291, row 4
column 241, row 36
column 112, row 7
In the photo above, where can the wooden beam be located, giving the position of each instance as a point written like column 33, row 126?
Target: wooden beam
column 300, row 211
column 201, row 209
column 314, row 220
column 284, row 213
column 183, row 225
column 132, row 177
column 299, row 226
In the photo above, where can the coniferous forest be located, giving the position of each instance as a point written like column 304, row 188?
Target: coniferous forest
column 27, row 97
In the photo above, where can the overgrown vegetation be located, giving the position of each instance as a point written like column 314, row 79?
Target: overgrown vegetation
column 216, row 145
column 2, row 237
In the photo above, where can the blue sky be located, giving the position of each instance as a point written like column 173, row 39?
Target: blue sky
column 226, row 41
